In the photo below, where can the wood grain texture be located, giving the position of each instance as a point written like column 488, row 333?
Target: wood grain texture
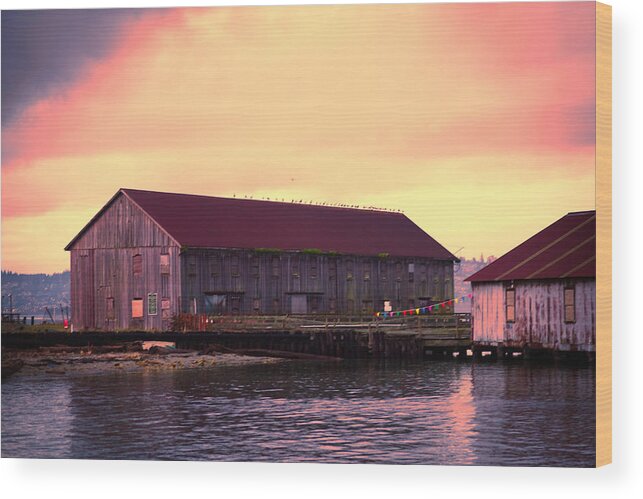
column 603, row 234
column 539, row 315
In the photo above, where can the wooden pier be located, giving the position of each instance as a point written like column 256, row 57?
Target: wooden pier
column 410, row 339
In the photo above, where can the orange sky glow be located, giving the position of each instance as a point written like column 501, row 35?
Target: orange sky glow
column 477, row 120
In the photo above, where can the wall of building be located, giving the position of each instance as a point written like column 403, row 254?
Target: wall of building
column 539, row 314
column 269, row 282
column 103, row 280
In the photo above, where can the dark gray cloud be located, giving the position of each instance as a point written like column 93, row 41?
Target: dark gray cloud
column 44, row 50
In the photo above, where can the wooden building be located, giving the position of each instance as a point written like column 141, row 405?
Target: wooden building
column 542, row 294
column 147, row 256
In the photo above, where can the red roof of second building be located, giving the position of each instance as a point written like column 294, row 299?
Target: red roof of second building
column 567, row 248
column 214, row 222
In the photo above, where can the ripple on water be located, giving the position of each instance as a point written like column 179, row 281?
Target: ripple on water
column 415, row 413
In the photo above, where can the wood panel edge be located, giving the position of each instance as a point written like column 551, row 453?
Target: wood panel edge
column 603, row 234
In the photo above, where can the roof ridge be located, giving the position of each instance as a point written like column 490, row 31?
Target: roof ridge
column 273, row 201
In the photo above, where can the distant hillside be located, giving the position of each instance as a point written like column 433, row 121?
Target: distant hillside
column 31, row 293
column 462, row 271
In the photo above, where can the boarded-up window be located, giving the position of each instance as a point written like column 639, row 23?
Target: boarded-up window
column 165, row 308
column 109, row 313
column 510, row 300
column 570, row 305
column 165, row 264
column 137, row 265
column 137, row 308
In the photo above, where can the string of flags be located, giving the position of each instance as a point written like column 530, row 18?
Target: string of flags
column 424, row 310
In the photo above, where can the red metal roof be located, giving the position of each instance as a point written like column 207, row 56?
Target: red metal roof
column 214, row 222
column 567, row 248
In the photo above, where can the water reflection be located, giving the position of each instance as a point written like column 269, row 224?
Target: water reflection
column 423, row 413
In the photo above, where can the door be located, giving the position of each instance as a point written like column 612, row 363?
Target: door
column 298, row 304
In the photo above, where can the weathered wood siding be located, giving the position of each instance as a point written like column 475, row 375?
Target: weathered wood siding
column 539, row 314
column 103, row 283
column 265, row 282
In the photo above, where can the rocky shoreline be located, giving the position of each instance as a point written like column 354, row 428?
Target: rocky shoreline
column 133, row 357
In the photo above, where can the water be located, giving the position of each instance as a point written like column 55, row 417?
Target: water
column 350, row 412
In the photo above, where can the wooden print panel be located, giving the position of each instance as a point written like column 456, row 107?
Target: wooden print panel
column 603, row 234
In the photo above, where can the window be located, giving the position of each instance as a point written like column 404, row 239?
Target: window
column 165, row 308
column 294, row 266
column 510, row 304
column 137, row 265
column 332, row 269
column 110, row 314
column 398, row 271
column 351, row 305
column 137, row 308
column 332, row 305
column 383, row 271
column 256, row 305
column 275, row 306
column 215, row 266
column 192, row 269
column 367, row 271
column 570, row 304
column 234, row 264
column 313, row 267
column 235, row 302
column 165, row 264
column 152, row 304
column 349, row 270
column 275, row 266
column 254, row 264
column 367, row 306
column 314, row 302
column 411, row 272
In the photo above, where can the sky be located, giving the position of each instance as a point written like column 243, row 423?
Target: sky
column 476, row 120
